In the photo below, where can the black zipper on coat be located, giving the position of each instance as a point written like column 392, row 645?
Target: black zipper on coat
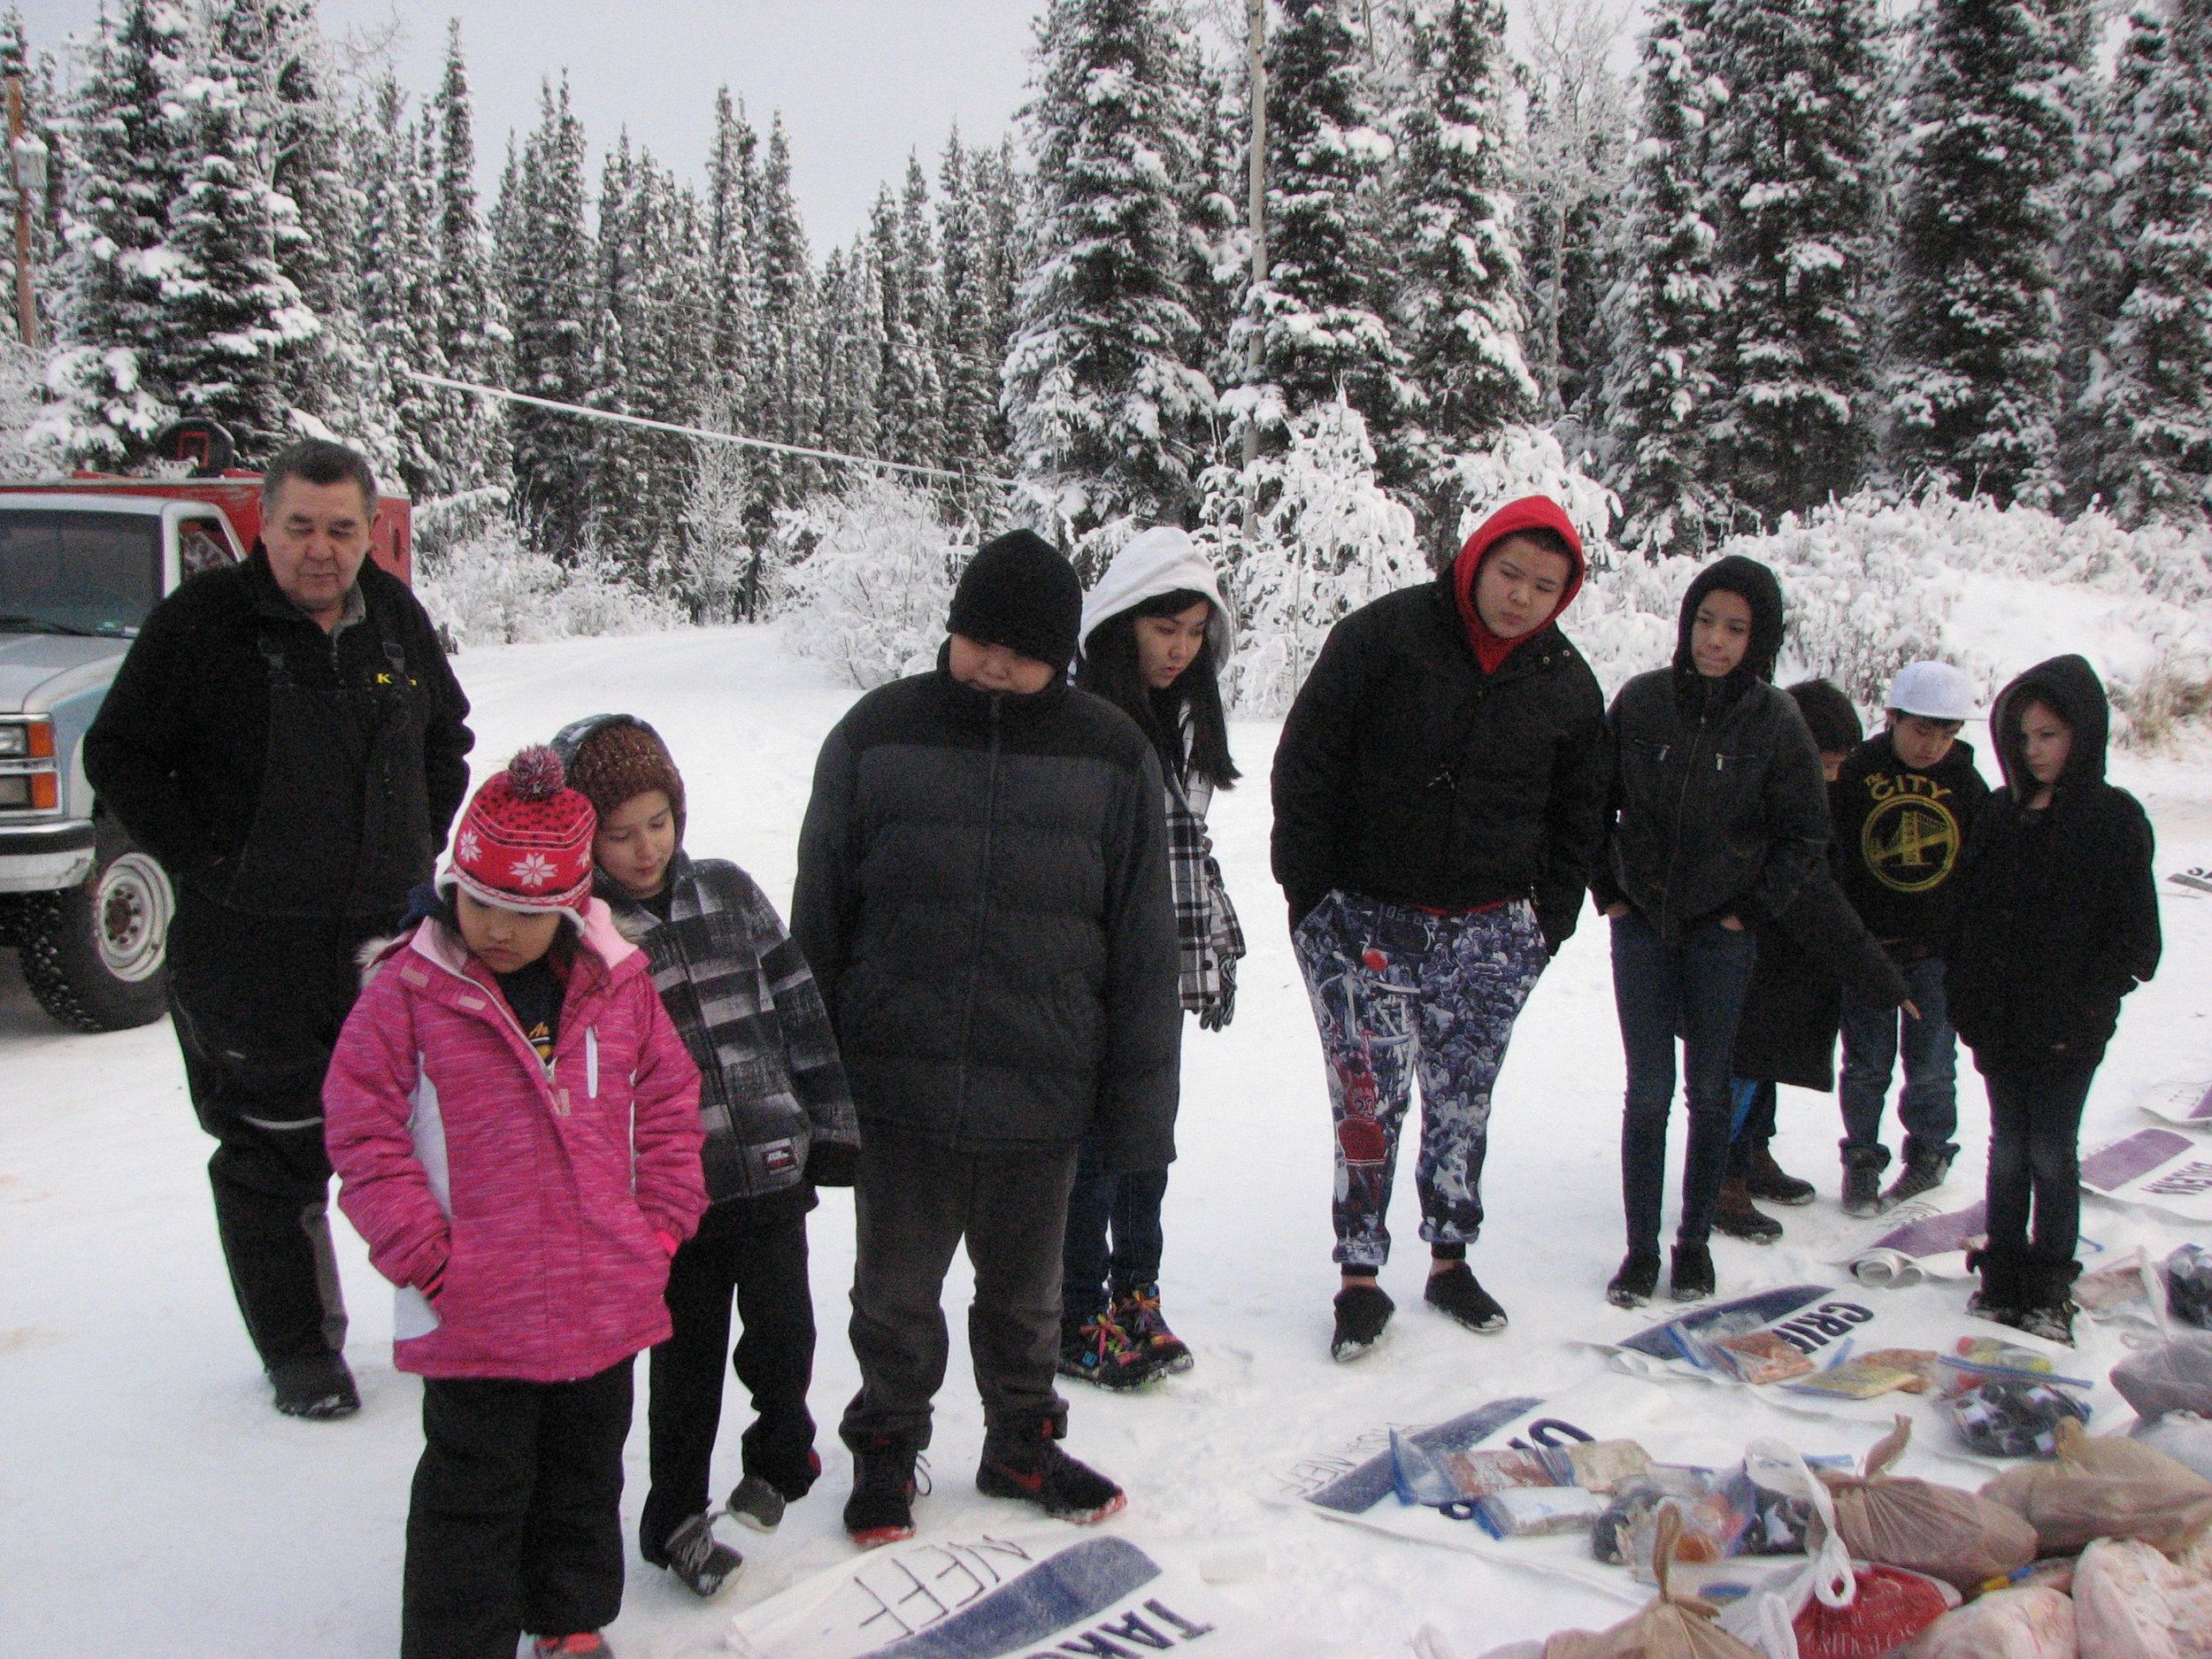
column 1681, row 809
column 982, row 918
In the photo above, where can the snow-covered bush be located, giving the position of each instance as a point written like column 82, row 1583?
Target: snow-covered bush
column 1528, row 461
column 489, row 588
column 23, row 454
column 868, row 575
column 1326, row 540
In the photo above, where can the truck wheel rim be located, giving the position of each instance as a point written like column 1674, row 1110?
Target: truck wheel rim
column 131, row 916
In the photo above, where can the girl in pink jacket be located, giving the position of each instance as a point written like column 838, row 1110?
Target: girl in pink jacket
column 514, row 1125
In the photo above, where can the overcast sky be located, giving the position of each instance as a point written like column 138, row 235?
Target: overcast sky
column 860, row 82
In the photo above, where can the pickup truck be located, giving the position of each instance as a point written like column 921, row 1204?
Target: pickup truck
column 82, row 561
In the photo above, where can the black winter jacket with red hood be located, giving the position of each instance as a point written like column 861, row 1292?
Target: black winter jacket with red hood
column 1407, row 773
column 2057, row 914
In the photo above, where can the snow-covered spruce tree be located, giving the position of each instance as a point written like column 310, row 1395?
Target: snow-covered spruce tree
column 1972, row 389
column 470, row 442
column 546, row 271
column 732, row 191
column 967, row 369
column 1109, row 406
column 915, row 302
column 126, row 168
column 2149, row 397
column 398, row 285
column 1319, row 311
column 1662, row 394
column 787, row 386
column 1219, row 251
column 1791, row 162
column 1458, row 306
column 851, row 357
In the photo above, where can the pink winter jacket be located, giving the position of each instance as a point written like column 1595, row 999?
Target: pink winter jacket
column 551, row 1193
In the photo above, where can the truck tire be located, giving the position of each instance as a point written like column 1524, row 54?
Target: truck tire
column 95, row 955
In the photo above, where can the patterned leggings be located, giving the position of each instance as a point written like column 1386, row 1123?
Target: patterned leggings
column 1400, row 993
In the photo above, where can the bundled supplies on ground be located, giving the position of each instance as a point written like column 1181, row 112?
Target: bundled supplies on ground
column 1671, row 1627
column 2005, row 1400
column 2175, row 1376
column 1959, row 1537
column 2032, row 1622
column 2099, row 1486
column 2183, row 1436
column 2131, row 1602
column 2188, row 1276
column 2119, row 1290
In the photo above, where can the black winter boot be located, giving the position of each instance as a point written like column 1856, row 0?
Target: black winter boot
column 1023, row 1460
column 1923, row 1173
column 1692, row 1278
column 1456, row 1291
column 1862, row 1168
column 2048, row 1305
column 2003, row 1292
column 1768, row 1181
column 1362, row 1308
column 1637, row 1280
column 1738, row 1217
column 881, row 1509
column 318, row 1388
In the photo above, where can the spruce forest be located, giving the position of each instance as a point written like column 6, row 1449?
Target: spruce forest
column 1801, row 252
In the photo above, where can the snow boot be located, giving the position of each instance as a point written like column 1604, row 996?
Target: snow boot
column 1862, row 1168
column 1023, row 1460
column 757, row 1504
column 2004, row 1290
column 881, row 1509
column 1457, row 1292
column 701, row 1562
column 2046, row 1306
column 1692, row 1277
column 318, row 1388
column 1637, row 1280
column 584, row 1645
column 1098, row 1350
column 1362, row 1308
column 1739, row 1218
column 1137, row 1311
column 1923, row 1173
column 1770, row 1182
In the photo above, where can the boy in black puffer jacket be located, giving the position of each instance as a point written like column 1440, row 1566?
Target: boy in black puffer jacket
column 2056, row 920
column 779, row 1122
column 1719, row 809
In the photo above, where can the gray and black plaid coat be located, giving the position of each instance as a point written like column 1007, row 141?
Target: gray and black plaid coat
column 744, row 1001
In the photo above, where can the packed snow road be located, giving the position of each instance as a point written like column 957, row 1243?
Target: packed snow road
column 154, row 1503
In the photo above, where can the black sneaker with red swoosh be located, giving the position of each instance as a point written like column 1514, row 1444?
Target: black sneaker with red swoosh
column 1029, row 1465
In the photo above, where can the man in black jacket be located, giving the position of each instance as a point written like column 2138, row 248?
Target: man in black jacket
column 287, row 737
column 983, row 893
column 1439, row 795
column 1719, row 809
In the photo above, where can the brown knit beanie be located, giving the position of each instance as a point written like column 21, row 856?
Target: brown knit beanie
column 621, row 761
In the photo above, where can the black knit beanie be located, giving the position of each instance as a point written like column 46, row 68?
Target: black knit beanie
column 1019, row 592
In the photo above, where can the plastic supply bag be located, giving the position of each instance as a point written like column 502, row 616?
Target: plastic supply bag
column 1948, row 1533
column 1768, row 1617
column 2015, row 1416
column 1604, row 1465
column 2121, row 1290
column 2175, row 1376
column 1612, row 1535
column 2106, row 1487
column 1669, row 1628
column 2131, row 1603
column 2188, row 1275
column 1889, row 1607
column 2183, row 1436
column 1707, row 1530
column 2031, row 1623
column 1537, row 1511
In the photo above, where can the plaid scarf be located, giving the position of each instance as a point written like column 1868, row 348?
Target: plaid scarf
column 1205, row 921
column 745, row 1002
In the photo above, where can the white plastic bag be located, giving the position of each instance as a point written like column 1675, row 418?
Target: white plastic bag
column 2034, row 1622
column 2183, row 1436
column 2131, row 1603
column 1764, row 1618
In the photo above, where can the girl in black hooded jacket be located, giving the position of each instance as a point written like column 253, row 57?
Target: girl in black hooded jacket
column 2056, row 920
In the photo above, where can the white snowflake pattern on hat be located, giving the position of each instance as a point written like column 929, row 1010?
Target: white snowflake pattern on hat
column 534, row 871
column 470, row 847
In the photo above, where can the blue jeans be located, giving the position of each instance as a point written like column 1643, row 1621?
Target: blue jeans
column 1400, row 993
column 1929, row 1106
column 1129, row 1205
column 1694, row 985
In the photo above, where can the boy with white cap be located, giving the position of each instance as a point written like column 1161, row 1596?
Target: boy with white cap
column 1903, row 806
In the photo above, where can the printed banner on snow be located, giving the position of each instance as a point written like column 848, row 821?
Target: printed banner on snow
column 1020, row 1596
column 1926, row 1243
column 2187, row 1101
column 2160, row 1169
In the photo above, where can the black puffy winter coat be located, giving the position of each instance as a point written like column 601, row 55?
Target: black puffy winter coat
column 2056, row 916
column 1794, row 1006
column 1407, row 773
column 1719, row 804
column 983, row 895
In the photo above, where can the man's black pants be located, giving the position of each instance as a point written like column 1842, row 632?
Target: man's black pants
column 258, row 1003
column 516, row 1522
column 915, row 1202
column 755, row 1249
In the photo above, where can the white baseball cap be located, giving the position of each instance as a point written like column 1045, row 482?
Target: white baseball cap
column 1935, row 691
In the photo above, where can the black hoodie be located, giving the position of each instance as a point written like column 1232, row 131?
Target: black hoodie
column 2056, row 915
column 1718, row 804
column 1899, row 834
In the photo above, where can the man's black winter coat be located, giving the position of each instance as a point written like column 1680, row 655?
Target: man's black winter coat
column 1408, row 774
column 1795, row 1007
column 2057, row 911
column 1900, row 835
column 178, row 748
column 983, row 893
column 1719, row 806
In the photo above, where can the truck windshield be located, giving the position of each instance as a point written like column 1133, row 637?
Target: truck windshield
column 78, row 572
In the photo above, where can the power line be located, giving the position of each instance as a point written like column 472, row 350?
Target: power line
column 699, row 432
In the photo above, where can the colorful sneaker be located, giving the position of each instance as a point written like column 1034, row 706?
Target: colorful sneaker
column 1138, row 1313
column 885, row 1480
column 586, row 1645
column 1362, row 1310
column 699, row 1559
column 1036, row 1470
column 1098, row 1350
column 755, row 1503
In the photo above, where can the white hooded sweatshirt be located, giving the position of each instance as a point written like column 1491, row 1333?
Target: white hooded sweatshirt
column 1155, row 562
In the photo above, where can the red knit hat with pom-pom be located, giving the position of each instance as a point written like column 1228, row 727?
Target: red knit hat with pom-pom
column 525, row 842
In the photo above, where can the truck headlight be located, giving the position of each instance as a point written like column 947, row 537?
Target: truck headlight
column 31, row 739
column 15, row 741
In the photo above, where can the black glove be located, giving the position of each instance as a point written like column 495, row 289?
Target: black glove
column 1222, row 1008
column 832, row 1163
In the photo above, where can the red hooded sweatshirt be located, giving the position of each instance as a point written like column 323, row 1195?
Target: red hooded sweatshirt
column 1530, row 512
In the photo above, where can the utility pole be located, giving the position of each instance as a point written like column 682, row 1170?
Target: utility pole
column 1256, row 215
column 27, row 167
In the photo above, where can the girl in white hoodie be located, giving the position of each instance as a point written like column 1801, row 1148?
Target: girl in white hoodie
column 1155, row 633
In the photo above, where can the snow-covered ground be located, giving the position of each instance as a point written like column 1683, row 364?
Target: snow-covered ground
column 151, row 1502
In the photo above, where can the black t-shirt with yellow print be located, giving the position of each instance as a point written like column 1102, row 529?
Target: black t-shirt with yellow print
column 534, row 994
column 1899, row 834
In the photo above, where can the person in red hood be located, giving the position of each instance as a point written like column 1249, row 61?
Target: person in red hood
column 1439, row 796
